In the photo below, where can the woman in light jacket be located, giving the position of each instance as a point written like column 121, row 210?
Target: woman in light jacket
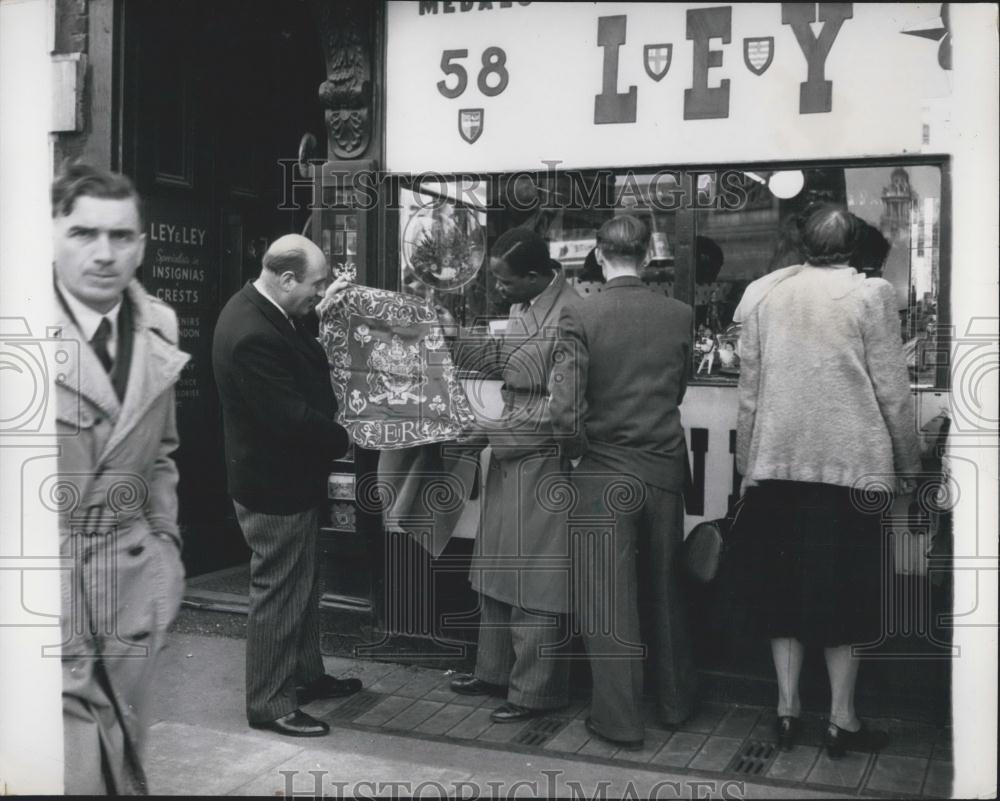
column 825, row 434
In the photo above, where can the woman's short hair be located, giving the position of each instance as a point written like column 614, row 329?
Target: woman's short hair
column 829, row 234
column 624, row 236
column 871, row 251
column 788, row 250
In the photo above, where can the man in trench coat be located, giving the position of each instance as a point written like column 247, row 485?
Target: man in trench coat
column 521, row 564
column 117, row 483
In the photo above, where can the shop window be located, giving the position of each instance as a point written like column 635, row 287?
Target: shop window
column 713, row 232
column 446, row 229
column 736, row 245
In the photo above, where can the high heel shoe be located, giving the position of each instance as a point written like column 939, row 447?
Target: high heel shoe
column 787, row 729
column 838, row 740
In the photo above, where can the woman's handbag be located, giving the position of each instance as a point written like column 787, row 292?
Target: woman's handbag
column 705, row 547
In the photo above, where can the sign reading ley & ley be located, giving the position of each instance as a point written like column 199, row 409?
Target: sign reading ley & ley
column 181, row 268
column 178, row 255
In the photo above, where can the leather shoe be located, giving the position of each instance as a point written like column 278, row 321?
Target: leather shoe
column 628, row 745
column 295, row 724
column 327, row 686
column 467, row 684
column 838, row 740
column 511, row 713
column 787, row 730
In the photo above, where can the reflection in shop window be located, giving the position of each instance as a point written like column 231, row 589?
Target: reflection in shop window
column 572, row 232
column 446, row 229
column 443, row 250
column 735, row 247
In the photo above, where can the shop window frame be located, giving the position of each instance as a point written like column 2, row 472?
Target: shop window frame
column 683, row 245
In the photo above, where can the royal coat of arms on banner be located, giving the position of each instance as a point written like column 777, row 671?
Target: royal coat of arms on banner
column 391, row 370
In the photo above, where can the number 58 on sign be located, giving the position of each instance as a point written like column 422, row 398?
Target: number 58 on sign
column 502, row 86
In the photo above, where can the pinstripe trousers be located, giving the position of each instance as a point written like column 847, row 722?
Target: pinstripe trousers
column 283, row 624
column 509, row 654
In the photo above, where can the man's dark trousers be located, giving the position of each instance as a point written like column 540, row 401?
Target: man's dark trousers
column 632, row 542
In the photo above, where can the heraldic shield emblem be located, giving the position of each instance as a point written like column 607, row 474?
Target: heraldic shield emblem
column 470, row 124
column 391, row 370
column 758, row 53
column 656, row 59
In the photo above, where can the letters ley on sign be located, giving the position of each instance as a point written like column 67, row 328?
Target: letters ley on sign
column 702, row 102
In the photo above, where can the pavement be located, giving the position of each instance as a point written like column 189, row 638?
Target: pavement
column 408, row 735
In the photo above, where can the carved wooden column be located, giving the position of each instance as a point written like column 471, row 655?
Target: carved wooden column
column 348, row 32
column 352, row 542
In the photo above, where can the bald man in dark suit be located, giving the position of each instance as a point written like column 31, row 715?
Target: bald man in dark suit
column 281, row 438
column 619, row 376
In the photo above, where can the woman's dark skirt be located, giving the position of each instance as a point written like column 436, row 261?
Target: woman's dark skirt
column 811, row 562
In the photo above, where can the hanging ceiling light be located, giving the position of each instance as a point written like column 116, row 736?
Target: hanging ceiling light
column 786, row 183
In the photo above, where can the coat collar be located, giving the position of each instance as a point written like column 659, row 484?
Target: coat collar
column 283, row 325
column 268, row 309
column 82, row 372
column 623, row 281
column 156, row 364
column 536, row 316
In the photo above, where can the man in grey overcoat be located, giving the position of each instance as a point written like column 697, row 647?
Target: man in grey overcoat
column 117, row 483
column 521, row 564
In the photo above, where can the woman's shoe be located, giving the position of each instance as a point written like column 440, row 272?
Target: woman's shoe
column 838, row 740
column 787, row 729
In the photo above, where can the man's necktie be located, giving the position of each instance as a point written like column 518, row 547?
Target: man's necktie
column 99, row 342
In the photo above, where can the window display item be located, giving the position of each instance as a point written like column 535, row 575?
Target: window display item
column 444, row 249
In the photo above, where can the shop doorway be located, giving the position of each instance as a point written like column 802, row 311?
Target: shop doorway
column 209, row 103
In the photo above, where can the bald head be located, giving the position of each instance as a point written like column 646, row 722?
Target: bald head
column 291, row 253
column 295, row 273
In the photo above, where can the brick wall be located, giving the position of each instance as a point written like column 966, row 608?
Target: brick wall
column 87, row 26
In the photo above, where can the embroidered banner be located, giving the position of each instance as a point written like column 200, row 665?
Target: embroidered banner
column 391, row 370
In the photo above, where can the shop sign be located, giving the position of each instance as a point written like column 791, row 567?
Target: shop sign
column 504, row 86
column 180, row 269
column 177, row 266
